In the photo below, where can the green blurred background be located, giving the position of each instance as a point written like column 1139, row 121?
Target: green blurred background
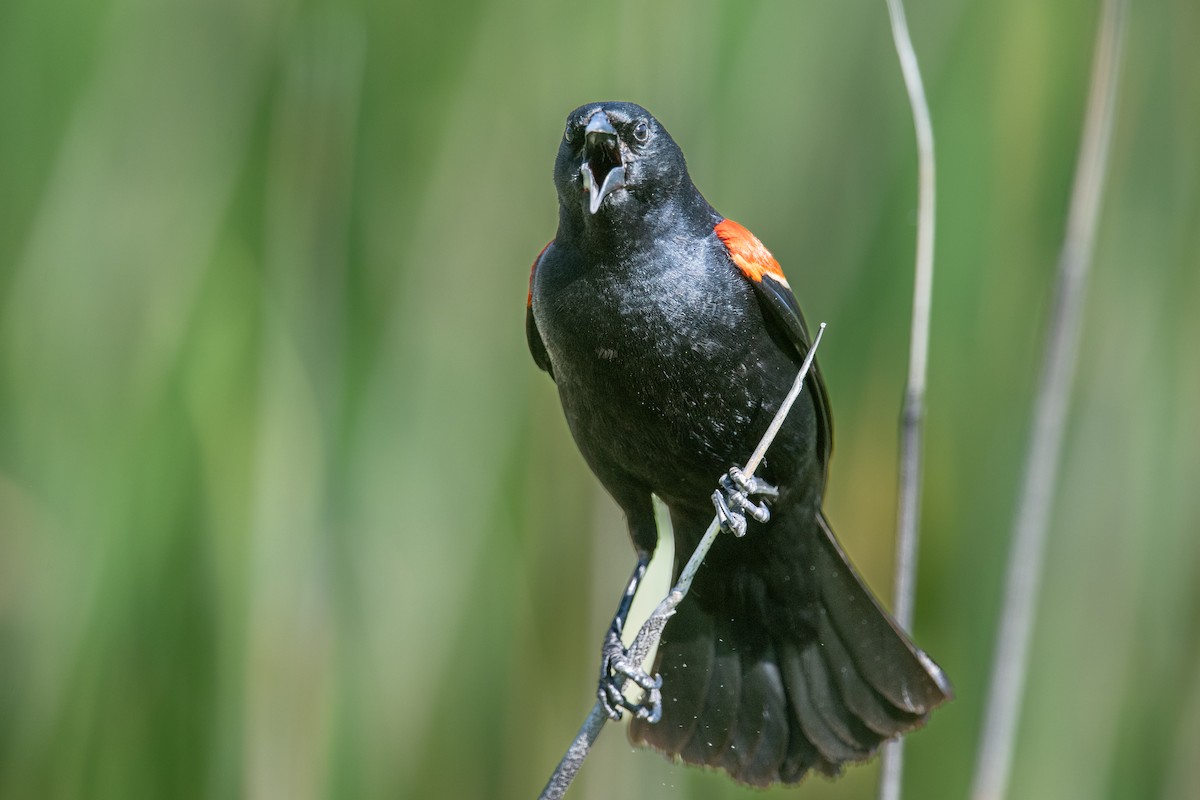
column 286, row 511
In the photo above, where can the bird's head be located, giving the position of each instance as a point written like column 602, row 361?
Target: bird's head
column 616, row 162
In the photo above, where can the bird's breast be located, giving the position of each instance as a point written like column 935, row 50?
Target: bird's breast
column 659, row 371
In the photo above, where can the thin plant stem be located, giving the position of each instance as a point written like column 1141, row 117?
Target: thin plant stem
column 1011, row 661
column 651, row 630
column 912, row 416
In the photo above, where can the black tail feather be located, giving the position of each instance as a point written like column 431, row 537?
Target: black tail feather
column 760, row 738
column 883, row 654
column 768, row 703
column 722, row 702
column 822, row 715
column 861, row 700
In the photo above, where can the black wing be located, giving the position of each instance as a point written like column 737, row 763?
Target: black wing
column 762, row 271
column 780, row 304
column 537, row 348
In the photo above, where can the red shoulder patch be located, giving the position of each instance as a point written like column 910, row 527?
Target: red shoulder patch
column 533, row 271
column 750, row 255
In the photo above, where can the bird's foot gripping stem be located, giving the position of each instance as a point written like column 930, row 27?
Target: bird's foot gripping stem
column 733, row 501
column 616, row 667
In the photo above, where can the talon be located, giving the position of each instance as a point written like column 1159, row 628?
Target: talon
column 749, row 485
column 733, row 501
column 731, row 521
column 759, row 511
column 616, row 668
column 650, row 709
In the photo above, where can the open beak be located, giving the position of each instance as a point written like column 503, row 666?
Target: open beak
column 602, row 170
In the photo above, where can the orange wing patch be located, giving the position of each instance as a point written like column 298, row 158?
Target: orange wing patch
column 533, row 271
column 750, row 255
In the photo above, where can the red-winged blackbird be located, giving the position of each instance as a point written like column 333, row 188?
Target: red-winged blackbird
column 673, row 336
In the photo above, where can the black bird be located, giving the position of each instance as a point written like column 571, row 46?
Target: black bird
column 673, row 336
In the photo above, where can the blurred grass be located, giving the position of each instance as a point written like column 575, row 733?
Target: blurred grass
column 287, row 511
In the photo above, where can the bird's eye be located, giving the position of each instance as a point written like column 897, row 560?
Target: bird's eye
column 571, row 133
column 641, row 131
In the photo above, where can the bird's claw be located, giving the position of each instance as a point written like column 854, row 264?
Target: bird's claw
column 616, row 667
column 733, row 502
